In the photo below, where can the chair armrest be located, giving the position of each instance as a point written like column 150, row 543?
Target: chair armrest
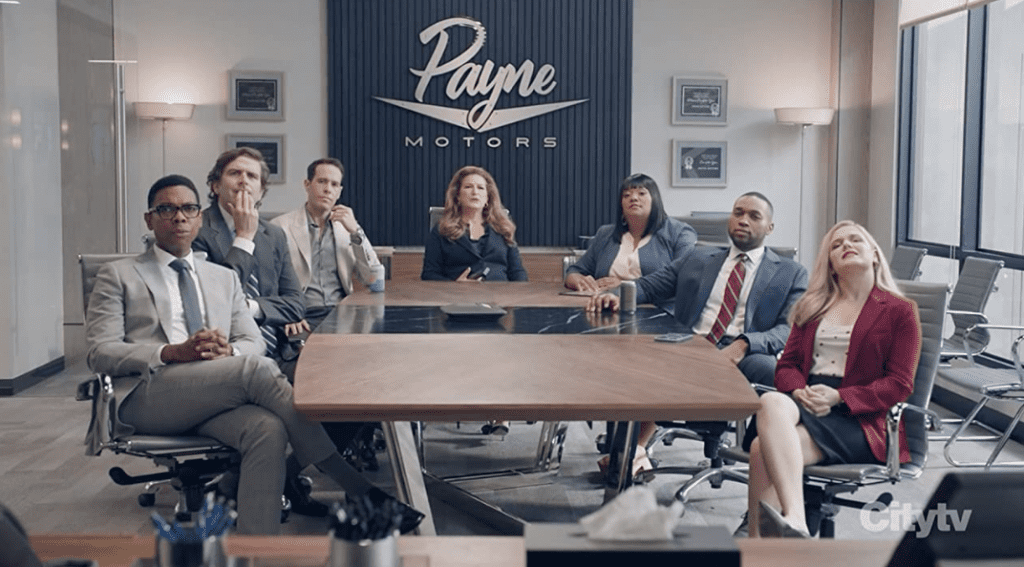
column 892, row 424
column 1014, row 348
column 982, row 320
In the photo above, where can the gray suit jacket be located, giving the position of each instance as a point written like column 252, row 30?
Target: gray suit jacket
column 350, row 258
column 778, row 284
column 129, row 319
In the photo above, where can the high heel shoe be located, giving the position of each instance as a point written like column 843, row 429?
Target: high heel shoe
column 773, row 524
column 641, row 463
column 495, row 428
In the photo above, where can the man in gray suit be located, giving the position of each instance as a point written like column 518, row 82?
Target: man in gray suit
column 754, row 330
column 176, row 332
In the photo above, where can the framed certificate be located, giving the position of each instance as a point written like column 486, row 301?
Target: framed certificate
column 256, row 95
column 698, row 164
column 701, row 101
column 272, row 148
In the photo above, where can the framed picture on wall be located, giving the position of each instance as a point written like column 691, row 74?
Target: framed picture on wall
column 271, row 146
column 698, row 164
column 256, row 95
column 700, row 101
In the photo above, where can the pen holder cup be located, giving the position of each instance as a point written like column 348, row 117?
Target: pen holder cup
column 364, row 553
column 206, row 553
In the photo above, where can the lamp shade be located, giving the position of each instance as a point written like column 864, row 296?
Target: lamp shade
column 804, row 116
column 164, row 110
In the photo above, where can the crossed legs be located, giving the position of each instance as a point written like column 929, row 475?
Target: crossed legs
column 777, row 458
column 244, row 402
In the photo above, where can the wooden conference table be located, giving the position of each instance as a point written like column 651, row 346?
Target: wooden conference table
column 449, row 551
column 394, row 357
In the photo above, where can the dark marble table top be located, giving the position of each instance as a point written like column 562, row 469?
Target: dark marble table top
column 363, row 319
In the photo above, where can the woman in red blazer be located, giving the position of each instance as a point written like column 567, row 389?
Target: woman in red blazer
column 851, row 355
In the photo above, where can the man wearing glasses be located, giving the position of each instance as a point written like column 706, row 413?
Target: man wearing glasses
column 177, row 333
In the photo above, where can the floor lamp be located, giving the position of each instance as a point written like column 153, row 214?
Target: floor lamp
column 803, row 117
column 163, row 111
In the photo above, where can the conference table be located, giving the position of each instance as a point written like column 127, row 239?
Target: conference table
column 446, row 551
column 396, row 357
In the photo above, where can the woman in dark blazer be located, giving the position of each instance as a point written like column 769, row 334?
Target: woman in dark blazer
column 475, row 236
column 642, row 241
column 851, row 355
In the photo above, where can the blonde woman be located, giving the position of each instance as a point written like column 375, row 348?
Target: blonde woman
column 851, row 355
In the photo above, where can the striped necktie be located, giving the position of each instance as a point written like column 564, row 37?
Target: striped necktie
column 252, row 291
column 729, row 300
column 189, row 296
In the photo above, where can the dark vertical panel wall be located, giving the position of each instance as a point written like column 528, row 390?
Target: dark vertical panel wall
column 554, row 194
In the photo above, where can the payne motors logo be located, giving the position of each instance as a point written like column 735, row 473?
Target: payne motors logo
column 468, row 78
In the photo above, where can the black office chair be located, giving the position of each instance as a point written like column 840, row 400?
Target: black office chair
column 824, row 483
column 905, row 263
column 194, row 464
column 975, row 284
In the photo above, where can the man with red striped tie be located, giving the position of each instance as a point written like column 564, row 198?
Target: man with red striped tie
column 738, row 298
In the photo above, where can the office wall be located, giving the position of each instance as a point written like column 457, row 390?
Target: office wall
column 85, row 31
column 774, row 54
column 184, row 51
column 31, row 307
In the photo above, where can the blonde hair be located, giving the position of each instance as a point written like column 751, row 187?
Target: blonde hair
column 823, row 286
column 451, row 225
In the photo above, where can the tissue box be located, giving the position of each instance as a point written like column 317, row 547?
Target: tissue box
column 558, row 545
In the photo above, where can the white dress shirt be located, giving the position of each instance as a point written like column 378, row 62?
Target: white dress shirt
column 179, row 331
column 714, row 303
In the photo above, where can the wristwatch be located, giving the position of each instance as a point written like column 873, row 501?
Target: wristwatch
column 357, row 236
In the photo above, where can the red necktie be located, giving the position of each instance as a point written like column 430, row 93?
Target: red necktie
column 730, row 299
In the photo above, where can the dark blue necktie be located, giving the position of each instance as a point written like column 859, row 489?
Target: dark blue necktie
column 189, row 296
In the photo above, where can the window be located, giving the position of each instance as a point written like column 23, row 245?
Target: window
column 939, row 74
column 1002, row 189
column 961, row 167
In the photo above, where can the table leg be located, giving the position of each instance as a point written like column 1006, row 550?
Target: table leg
column 620, row 471
column 408, row 471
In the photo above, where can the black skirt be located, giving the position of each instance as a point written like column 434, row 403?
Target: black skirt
column 838, row 435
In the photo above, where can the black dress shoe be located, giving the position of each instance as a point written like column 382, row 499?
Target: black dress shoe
column 411, row 517
column 297, row 491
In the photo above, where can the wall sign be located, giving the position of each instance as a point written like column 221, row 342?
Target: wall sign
column 698, row 164
column 272, row 148
column 701, row 101
column 536, row 92
column 255, row 95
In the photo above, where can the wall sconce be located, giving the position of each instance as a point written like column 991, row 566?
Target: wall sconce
column 163, row 111
column 803, row 117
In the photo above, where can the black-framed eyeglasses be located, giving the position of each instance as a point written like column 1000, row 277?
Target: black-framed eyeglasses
column 168, row 212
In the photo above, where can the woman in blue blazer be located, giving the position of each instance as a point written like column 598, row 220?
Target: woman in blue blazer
column 644, row 240
column 475, row 237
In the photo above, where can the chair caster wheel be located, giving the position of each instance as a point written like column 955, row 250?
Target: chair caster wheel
column 147, row 499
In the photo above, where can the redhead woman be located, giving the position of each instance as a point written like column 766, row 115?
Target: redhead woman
column 475, row 236
column 851, row 355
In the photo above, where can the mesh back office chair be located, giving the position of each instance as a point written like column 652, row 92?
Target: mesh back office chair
column 905, row 263
column 1001, row 384
column 822, row 483
column 193, row 463
column 976, row 283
